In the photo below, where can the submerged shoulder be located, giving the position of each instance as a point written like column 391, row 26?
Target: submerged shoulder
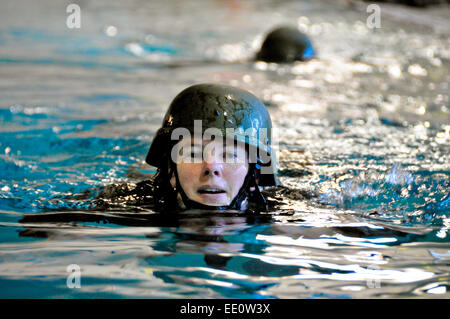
column 125, row 195
column 279, row 195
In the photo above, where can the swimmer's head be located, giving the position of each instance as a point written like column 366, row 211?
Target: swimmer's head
column 214, row 148
column 284, row 45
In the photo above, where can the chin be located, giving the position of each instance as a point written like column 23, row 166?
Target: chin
column 213, row 203
column 213, row 200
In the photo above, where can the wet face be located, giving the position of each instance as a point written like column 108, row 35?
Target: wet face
column 210, row 172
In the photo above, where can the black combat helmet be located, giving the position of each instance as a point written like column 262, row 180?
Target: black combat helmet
column 285, row 44
column 222, row 107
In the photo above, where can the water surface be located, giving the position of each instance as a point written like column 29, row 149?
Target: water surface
column 363, row 149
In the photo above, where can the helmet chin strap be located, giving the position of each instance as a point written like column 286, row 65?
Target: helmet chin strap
column 236, row 203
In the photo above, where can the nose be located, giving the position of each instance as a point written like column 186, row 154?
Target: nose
column 212, row 169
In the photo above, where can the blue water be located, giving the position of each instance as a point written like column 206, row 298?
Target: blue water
column 362, row 138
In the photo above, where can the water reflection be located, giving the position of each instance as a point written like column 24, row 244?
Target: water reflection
column 363, row 134
column 233, row 254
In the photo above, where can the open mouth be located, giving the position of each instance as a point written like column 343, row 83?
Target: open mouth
column 210, row 190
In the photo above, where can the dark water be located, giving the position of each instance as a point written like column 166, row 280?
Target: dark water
column 363, row 149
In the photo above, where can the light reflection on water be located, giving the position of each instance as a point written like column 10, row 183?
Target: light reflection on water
column 363, row 135
column 227, row 254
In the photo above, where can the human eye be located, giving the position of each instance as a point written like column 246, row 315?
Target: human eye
column 192, row 152
column 195, row 152
column 229, row 155
column 240, row 155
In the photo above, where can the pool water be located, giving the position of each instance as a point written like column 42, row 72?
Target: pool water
column 362, row 136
